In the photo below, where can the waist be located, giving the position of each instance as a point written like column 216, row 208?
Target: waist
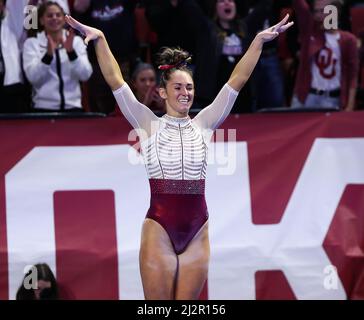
column 168, row 186
column 327, row 93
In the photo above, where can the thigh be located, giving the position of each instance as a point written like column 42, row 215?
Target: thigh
column 193, row 266
column 158, row 262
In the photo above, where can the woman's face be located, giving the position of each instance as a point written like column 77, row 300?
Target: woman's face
column 225, row 9
column 179, row 93
column 144, row 81
column 53, row 19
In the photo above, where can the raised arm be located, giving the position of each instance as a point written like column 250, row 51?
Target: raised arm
column 108, row 65
column 139, row 116
column 213, row 115
column 247, row 63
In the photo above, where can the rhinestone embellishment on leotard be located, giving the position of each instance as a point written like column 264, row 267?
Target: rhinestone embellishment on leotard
column 177, row 186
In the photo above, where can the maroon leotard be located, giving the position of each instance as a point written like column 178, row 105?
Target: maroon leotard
column 175, row 153
column 179, row 206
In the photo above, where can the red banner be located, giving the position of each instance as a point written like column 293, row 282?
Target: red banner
column 303, row 205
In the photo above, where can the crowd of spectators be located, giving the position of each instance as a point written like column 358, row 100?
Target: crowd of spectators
column 46, row 67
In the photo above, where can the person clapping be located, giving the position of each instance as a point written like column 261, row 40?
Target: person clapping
column 55, row 61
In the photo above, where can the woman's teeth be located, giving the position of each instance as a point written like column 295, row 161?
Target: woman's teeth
column 183, row 100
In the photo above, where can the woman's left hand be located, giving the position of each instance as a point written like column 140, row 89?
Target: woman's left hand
column 273, row 32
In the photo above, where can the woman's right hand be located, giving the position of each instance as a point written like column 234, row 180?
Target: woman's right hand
column 52, row 45
column 89, row 32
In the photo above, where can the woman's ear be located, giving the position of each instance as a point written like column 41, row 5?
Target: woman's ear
column 163, row 93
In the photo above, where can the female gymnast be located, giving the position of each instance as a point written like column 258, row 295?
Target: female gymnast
column 174, row 252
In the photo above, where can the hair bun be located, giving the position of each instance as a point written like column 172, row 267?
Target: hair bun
column 171, row 59
column 172, row 56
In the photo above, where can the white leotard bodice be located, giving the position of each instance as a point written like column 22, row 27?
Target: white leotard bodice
column 175, row 148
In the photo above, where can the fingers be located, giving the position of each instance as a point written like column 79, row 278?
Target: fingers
column 87, row 40
column 71, row 33
column 70, row 21
column 74, row 23
column 272, row 34
column 285, row 27
column 283, row 21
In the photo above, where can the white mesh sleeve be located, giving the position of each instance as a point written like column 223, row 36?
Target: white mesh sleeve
column 138, row 115
column 213, row 115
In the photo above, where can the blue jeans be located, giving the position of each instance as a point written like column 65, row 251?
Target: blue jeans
column 316, row 101
column 267, row 83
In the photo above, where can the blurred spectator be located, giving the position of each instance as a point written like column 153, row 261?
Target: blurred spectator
column 288, row 52
column 328, row 69
column 144, row 85
column 55, row 61
column 268, row 74
column 169, row 22
column 218, row 44
column 345, row 17
column 37, row 3
column 361, row 50
column 12, row 91
column 360, row 96
column 45, row 288
column 16, row 12
column 116, row 19
column 146, row 37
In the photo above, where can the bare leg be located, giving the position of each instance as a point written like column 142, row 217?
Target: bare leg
column 158, row 262
column 193, row 266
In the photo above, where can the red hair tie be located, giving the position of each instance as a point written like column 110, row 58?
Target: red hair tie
column 171, row 66
column 167, row 66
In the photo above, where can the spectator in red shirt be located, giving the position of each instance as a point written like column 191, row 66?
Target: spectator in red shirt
column 328, row 70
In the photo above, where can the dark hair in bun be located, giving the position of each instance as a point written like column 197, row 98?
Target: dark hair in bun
column 171, row 59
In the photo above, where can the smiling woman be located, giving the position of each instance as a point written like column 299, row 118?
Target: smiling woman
column 177, row 87
column 174, row 252
column 55, row 61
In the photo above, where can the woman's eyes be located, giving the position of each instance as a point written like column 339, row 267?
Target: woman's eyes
column 188, row 88
column 57, row 15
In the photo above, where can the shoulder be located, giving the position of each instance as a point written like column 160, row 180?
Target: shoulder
column 348, row 36
column 34, row 42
